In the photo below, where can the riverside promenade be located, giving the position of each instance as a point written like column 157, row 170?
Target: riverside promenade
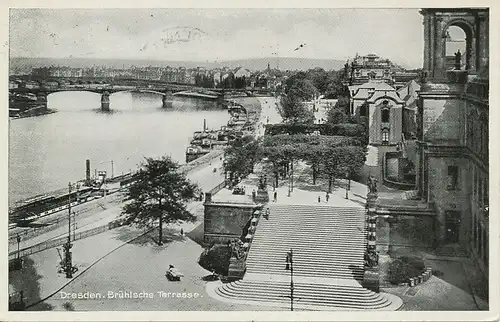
column 123, row 259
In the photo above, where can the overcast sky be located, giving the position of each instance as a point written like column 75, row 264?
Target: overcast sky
column 218, row 34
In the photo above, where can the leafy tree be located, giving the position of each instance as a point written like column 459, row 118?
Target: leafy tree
column 241, row 155
column 160, row 193
column 336, row 86
column 351, row 160
column 304, row 89
column 294, row 110
column 342, row 161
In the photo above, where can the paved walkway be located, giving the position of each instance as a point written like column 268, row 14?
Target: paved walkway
column 269, row 114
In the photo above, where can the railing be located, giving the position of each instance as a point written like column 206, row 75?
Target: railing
column 218, row 187
column 62, row 240
column 53, row 224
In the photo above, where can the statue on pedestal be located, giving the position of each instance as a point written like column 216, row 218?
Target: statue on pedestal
column 458, row 60
column 262, row 183
column 372, row 184
column 237, row 250
column 371, row 258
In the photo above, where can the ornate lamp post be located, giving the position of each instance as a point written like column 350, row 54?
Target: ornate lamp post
column 289, row 266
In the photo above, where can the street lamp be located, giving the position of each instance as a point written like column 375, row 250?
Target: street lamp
column 289, row 266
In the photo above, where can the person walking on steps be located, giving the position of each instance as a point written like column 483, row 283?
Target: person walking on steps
column 319, row 199
column 275, row 196
column 327, row 196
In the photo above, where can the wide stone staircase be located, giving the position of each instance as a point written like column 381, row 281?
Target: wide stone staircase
column 328, row 246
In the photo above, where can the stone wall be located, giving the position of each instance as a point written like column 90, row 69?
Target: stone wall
column 225, row 221
column 446, row 198
column 407, row 232
column 443, row 120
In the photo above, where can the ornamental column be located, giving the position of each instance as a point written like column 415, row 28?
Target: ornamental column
column 371, row 279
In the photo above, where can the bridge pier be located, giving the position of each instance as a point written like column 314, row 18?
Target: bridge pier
column 167, row 100
column 105, row 102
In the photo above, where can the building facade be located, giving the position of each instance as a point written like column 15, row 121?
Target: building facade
column 380, row 104
column 453, row 114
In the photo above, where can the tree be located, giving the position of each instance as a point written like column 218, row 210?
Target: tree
column 342, row 161
column 241, row 155
column 294, row 110
column 351, row 160
column 160, row 193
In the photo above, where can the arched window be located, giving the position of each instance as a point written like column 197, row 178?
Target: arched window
column 386, row 114
column 456, row 42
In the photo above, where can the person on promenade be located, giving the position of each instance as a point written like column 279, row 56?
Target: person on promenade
column 319, row 199
column 275, row 196
column 327, row 196
column 182, row 232
column 253, row 194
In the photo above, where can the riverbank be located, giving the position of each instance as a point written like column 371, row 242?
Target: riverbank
column 37, row 111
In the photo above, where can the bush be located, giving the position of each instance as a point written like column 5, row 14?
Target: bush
column 403, row 268
column 216, row 258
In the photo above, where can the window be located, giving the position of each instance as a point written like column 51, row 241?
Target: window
column 452, row 226
column 452, row 177
column 385, row 136
column 363, row 110
column 385, row 115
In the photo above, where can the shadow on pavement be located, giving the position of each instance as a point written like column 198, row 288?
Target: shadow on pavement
column 147, row 239
column 197, row 234
column 26, row 280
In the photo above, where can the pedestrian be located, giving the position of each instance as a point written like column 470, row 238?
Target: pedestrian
column 275, row 196
column 253, row 194
column 319, row 199
column 182, row 232
column 327, row 196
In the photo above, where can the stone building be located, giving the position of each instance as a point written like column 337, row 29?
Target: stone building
column 453, row 114
column 383, row 108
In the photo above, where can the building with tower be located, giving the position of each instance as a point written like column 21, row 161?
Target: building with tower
column 452, row 128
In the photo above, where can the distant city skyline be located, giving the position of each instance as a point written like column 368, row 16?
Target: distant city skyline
column 217, row 34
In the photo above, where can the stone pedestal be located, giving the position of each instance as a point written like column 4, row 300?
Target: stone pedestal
column 262, row 196
column 371, row 279
column 371, row 200
column 236, row 269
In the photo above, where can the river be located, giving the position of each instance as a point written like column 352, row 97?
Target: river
column 47, row 152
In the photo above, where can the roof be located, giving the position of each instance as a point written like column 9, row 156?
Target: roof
column 382, row 94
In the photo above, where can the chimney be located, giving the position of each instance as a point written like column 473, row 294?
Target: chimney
column 87, row 170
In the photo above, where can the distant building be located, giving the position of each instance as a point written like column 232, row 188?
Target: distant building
column 374, row 68
column 241, row 72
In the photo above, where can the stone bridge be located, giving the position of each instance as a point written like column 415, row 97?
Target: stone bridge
column 167, row 92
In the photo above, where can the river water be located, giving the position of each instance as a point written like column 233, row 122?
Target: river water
column 47, row 152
